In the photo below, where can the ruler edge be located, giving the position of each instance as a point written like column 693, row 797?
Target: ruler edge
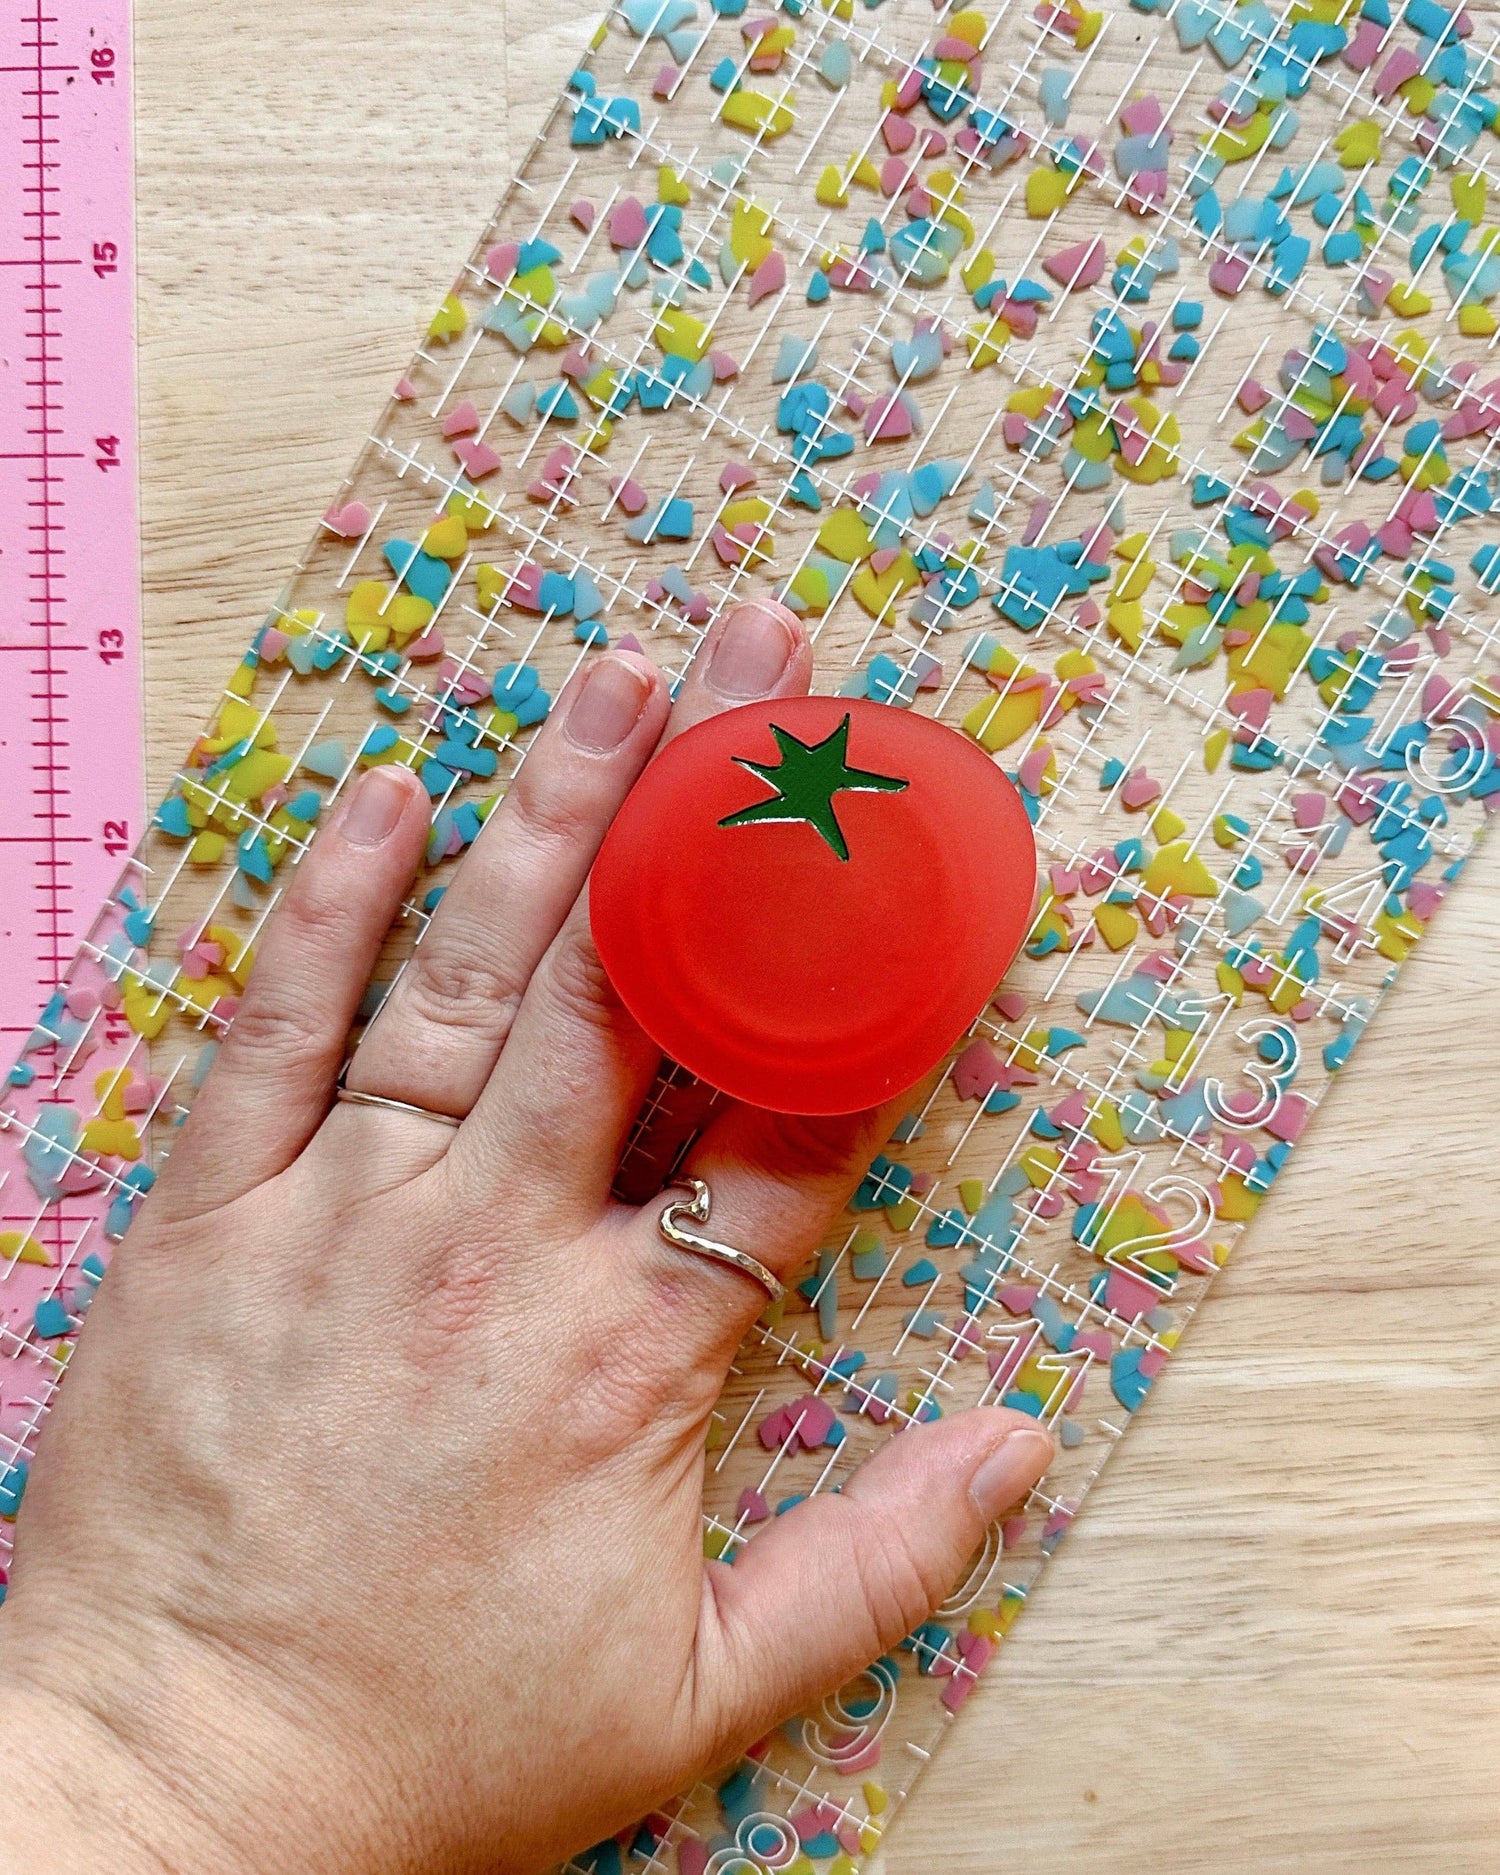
column 512, row 189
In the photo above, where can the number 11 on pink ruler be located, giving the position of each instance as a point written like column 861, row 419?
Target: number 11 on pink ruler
column 70, row 675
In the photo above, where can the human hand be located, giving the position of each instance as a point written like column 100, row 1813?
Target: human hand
column 366, row 1531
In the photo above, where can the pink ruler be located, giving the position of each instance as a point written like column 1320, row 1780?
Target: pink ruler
column 71, row 780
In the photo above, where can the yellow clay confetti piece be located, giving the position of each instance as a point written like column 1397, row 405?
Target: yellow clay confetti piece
column 448, row 321
column 1046, row 191
column 671, row 189
column 447, row 539
column 1407, row 302
column 763, row 116
column 17, row 1247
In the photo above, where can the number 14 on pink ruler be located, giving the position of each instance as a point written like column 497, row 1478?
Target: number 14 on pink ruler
column 70, row 678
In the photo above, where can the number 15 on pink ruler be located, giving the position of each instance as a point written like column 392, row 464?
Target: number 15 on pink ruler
column 70, row 677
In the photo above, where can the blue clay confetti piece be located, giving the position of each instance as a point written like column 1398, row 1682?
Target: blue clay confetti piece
column 836, row 67
column 421, row 573
column 51, row 1319
column 794, row 359
column 253, row 857
column 555, row 404
column 1127, row 1383
column 172, row 818
column 1053, row 92
column 598, row 119
column 13, row 1488
column 512, row 684
column 869, row 1265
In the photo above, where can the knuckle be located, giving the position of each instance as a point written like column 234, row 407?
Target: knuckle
column 900, row 1583
column 623, row 1386
column 266, row 1028
column 577, row 983
column 460, row 1294
column 824, row 1150
column 452, row 982
column 318, row 919
column 621, row 1394
column 551, row 815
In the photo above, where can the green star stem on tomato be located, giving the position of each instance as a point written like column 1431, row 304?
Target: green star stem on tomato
column 806, row 779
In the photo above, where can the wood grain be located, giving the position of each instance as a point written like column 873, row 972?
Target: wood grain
column 1271, row 1641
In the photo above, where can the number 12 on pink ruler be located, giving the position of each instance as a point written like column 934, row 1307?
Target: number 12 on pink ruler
column 70, row 676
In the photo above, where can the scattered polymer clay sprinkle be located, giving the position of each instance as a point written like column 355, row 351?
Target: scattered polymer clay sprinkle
column 1137, row 415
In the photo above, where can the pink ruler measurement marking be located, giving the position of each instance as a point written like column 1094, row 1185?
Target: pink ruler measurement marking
column 71, row 768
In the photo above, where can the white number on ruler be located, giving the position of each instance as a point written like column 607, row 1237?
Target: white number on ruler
column 1471, row 746
column 1210, row 1012
column 1417, row 757
column 1122, row 1168
column 971, row 1591
column 1344, row 910
column 839, row 1736
column 761, row 1842
column 1271, row 1078
column 1024, row 1345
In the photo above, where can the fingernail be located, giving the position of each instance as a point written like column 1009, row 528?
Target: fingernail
column 607, row 706
column 375, row 807
column 755, row 644
column 1011, row 1470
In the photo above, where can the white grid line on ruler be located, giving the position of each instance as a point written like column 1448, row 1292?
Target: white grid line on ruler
column 1135, row 670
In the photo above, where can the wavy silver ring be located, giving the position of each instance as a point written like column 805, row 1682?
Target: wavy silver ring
column 357, row 1099
column 697, row 1208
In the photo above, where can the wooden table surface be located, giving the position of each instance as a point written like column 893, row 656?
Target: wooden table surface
column 1273, row 1640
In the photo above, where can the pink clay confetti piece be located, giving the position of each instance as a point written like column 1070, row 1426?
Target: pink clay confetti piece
column 1170, row 629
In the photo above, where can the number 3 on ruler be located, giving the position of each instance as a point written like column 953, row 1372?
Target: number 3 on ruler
column 1272, row 1075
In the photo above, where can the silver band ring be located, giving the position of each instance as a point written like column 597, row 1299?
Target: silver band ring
column 697, row 1208
column 357, row 1099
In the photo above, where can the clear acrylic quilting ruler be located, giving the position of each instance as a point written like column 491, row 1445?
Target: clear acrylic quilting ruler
column 1116, row 385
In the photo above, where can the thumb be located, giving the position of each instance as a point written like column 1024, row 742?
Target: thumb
column 844, row 1576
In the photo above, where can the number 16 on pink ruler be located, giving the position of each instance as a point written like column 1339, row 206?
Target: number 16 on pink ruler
column 70, row 675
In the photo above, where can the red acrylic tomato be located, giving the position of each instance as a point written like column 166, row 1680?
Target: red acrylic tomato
column 807, row 902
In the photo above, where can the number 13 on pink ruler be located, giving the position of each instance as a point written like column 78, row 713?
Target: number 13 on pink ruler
column 70, row 677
